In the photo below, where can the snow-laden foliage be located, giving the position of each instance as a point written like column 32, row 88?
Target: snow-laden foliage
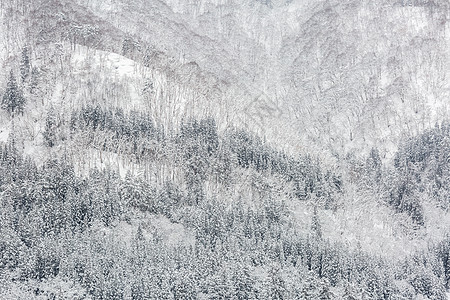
column 56, row 227
column 222, row 149
column 241, row 248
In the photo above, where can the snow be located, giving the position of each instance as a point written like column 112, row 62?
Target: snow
column 91, row 76
column 4, row 133
column 108, row 62
column 152, row 226
column 57, row 96
column 121, row 70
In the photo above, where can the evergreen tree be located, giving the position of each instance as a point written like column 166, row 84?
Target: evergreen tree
column 324, row 292
column 25, row 64
column 219, row 286
column 243, row 283
column 316, row 228
column 350, row 292
column 309, row 290
column 34, row 81
column 13, row 100
column 276, row 284
column 51, row 126
column 373, row 167
column 183, row 286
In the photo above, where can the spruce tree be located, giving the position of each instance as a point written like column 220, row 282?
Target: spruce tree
column 316, row 228
column 25, row 64
column 51, row 127
column 243, row 282
column 309, row 290
column 276, row 284
column 13, row 100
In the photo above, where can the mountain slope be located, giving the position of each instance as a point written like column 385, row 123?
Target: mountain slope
column 215, row 149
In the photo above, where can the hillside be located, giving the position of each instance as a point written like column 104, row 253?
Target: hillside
column 224, row 150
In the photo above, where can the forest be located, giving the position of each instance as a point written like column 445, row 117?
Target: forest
column 58, row 226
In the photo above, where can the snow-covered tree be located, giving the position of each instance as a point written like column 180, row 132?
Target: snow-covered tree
column 25, row 65
column 13, row 100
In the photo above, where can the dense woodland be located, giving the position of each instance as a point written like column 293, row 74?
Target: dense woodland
column 55, row 223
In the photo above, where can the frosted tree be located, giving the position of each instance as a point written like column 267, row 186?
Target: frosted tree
column 309, row 291
column 13, row 100
column 350, row 292
column 324, row 290
column 374, row 166
column 25, row 65
column 276, row 284
column 51, row 127
column 243, row 282
column 316, row 228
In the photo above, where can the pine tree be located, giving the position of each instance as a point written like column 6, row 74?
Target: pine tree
column 243, row 282
column 276, row 284
column 309, row 290
column 138, row 251
column 350, row 292
column 49, row 133
column 324, row 290
column 139, row 289
column 316, row 228
column 373, row 167
column 25, row 64
column 373, row 285
column 219, row 286
column 13, row 100
column 183, row 286
column 34, row 81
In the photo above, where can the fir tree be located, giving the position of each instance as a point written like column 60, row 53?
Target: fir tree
column 49, row 133
column 243, row 283
column 13, row 100
column 309, row 291
column 276, row 284
column 25, row 64
column 316, row 228
column 324, row 290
